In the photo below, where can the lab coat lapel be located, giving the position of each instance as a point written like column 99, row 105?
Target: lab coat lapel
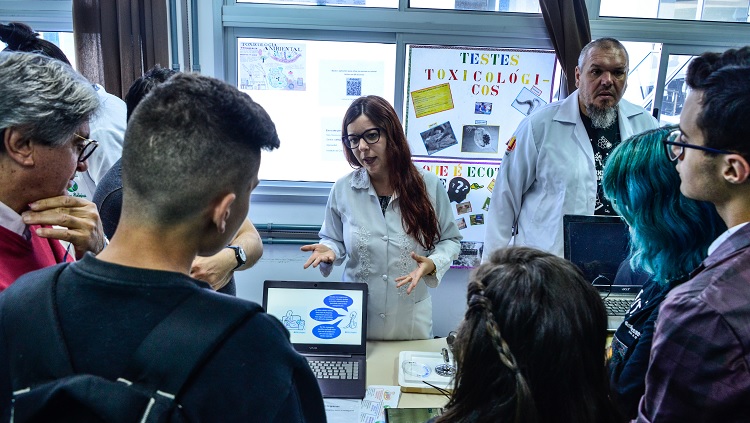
column 626, row 115
column 569, row 113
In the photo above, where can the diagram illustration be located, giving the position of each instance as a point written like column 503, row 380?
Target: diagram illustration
column 331, row 318
column 293, row 321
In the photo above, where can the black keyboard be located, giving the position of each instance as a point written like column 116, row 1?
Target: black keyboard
column 617, row 306
column 334, row 369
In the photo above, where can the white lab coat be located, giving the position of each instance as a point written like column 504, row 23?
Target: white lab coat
column 548, row 174
column 378, row 248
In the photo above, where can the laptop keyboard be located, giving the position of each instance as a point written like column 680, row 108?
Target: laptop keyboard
column 334, row 369
column 617, row 306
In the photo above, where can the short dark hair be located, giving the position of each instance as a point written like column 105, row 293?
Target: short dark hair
column 190, row 140
column 724, row 80
column 144, row 85
column 531, row 345
column 20, row 37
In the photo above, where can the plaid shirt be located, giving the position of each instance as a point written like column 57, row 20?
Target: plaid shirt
column 700, row 359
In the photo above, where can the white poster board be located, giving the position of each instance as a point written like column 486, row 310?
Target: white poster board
column 465, row 102
column 463, row 105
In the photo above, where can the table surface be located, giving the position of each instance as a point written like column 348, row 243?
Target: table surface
column 382, row 368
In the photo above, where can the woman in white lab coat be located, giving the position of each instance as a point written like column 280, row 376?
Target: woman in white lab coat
column 391, row 220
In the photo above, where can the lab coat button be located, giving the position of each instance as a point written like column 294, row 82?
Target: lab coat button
column 382, row 315
column 385, row 277
column 385, row 238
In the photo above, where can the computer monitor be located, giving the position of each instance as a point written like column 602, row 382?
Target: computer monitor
column 597, row 245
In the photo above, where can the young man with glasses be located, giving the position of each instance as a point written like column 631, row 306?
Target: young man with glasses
column 700, row 358
column 45, row 108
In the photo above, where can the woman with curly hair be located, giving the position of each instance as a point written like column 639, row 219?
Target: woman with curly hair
column 391, row 220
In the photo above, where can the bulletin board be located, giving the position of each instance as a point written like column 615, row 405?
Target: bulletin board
column 463, row 105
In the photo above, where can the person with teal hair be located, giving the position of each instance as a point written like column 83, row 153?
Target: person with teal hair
column 669, row 237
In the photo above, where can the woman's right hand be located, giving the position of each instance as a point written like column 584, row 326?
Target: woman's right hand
column 320, row 253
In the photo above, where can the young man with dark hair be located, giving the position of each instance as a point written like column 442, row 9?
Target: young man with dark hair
column 700, row 358
column 191, row 158
column 218, row 270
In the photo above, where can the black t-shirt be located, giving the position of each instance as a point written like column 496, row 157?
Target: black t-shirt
column 603, row 140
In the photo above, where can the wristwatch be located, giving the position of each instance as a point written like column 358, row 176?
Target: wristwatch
column 239, row 254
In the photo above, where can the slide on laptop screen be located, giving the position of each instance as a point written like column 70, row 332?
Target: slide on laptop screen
column 326, row 323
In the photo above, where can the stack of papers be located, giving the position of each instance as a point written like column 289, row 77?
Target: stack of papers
column 368, row 410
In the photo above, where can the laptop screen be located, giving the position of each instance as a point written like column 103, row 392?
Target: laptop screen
column 321, row 317
column 597, row 245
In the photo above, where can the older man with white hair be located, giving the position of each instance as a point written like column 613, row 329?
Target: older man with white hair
column 45, row 108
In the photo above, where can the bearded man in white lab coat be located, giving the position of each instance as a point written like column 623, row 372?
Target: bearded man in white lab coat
column 554, row 161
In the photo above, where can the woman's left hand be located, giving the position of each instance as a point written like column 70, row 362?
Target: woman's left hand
column 425, row 266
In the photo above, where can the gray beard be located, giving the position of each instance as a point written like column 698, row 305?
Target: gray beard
column 602, row 118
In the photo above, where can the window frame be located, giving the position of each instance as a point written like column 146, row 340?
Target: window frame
column 401, row 26
column 42, row 15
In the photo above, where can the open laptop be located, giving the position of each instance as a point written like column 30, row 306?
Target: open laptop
column 598, row 245
column 327, row 323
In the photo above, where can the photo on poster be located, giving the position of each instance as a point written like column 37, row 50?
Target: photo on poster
column 461, row 223
column 486, row 205
column 470, row 255
column 526, row 102
column 482, row 108
column 438, row 138
column 480, row 139
column 463, row 208
column 476, row 219
column 431, row 100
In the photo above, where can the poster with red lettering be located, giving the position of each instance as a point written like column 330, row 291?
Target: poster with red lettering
column 466, row 102
column 469, row 185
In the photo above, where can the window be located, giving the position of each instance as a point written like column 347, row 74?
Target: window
column 306, row 86
column 699, row 10
column 644, row 70
column 64, row 40
column 525, row 6
column 361, row 3
column 675, row 88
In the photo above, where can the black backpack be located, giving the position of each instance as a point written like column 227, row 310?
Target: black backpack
column 46, row 389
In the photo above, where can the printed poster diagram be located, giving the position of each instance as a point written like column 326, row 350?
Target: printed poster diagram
column 325, row 330
column 272, row 66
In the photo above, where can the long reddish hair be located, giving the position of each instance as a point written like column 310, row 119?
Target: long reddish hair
column 418, row 216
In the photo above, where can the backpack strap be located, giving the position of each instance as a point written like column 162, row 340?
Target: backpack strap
column 36, row 348
column 179, row 346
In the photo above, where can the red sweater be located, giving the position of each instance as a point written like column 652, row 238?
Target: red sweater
column 18, row 256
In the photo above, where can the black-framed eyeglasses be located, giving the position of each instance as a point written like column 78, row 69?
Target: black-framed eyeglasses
column 371, row 136
column 676, row 149
column 87, row 148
